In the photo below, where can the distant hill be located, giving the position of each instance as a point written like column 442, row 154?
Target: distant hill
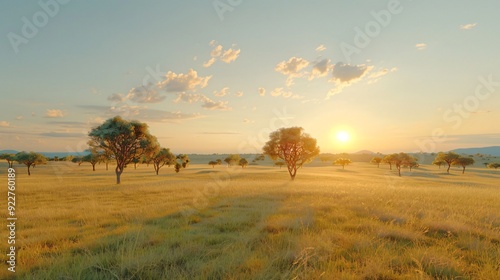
column 8, row 152
column 494, row 151
column 364, row 152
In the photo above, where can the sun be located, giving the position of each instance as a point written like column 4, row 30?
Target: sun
column 343, row 136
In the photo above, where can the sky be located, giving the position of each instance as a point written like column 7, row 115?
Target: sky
column 217, row 76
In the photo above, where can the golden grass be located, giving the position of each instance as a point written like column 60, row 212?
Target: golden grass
column 225, row 223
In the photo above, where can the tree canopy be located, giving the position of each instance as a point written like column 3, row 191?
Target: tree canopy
column 448, row 158
column 463, row 161
column 125, row 140
column 30, row 159
column 376, row 160
column 293, row 146
column 342, row 161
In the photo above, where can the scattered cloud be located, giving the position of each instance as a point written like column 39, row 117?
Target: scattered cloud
column 421, row 46
column 195, row 58
column 262, row 91
column 145, row 94
column 218, row 52
column 4, row 124
column 214, row 105
column 209, row 62
column 248, row 121
column 54, row 113
column 223, row 92
column 281, row 92
column 346, row 73
column 207, row 103
column 230, row 55
column 117, row 97
column 183, row 82
column 292, row 68
column 94, row 91
column 321, row 48
column 375, row 76
column 320, row 69
column 239, row 94
column 468, row 26
column 19, row 118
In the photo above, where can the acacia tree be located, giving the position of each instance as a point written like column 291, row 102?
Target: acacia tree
column 232, row 159
column 279, row 163
column 342, row 161
column 93, row 158
column 377, row 161
column 77, row 159
column 162, row 157
column 10, row 158
column 389, row 160
column 293, row 146
column 438, row 162
column 411, row 162
column 463, row 161
column 493, row 165
column 243, row 163
column 184, row 159
column 30, row 159
column 402, row 159
column 448, row 157
column 125, row 140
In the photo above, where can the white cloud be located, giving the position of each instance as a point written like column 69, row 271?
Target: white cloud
column 281, row 92
column 421, row 46
column 291, row 68
column 223, row 92
column 117, row 97
column 19, row 117
column 214, row 105
column 468, row 26
column 262, row 91
column 239, row 94
column 375, row 76
column 345, row 73
column 195, row 58
column 209, row 62
column 145, row 95
column 218, row 52
column 188, row 97
column 320, row 69
column 248, row 121
column 54, row 113
column 183, row 82
column 4, row 124
column 207, row 103
column 321, row 48
column 230, row 55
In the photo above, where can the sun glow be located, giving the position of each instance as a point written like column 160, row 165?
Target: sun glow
column 343, row 136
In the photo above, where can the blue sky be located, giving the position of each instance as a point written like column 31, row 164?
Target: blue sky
column 218, row 76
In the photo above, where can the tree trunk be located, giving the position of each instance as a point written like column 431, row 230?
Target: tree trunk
column 343, row 167
column 399, row 171
column 118, row 172
column 93, row 167
column 29, row 173
column 463, row 170
column 390, row 166
column 378, row 165
column 448, row 170
column 135, row 165
column 106, row 166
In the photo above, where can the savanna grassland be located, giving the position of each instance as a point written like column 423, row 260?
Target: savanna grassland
column 363, row 222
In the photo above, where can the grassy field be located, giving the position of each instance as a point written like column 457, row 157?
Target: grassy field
column 363, row 222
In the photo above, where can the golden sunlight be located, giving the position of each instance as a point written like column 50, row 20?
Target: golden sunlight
column 343, row 136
